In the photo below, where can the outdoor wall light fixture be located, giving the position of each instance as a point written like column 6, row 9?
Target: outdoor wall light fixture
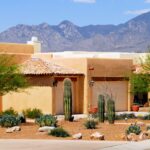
column 91, row 83
column 54, row 82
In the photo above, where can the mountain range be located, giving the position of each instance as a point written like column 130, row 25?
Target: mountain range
column 131, row 36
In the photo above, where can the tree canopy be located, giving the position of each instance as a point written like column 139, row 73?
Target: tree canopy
column 140, row 83
column 11, row 78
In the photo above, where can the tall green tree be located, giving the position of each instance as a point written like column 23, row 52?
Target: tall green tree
column 140, row 83
column 11, row 78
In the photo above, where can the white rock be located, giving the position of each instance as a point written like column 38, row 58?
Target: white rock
column 17, row 128
column 97, row 135
column 77, row 136
column 10, row 130
column 13, row 129
column 45, row 129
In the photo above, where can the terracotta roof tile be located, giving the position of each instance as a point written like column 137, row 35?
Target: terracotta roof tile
column 37, row 66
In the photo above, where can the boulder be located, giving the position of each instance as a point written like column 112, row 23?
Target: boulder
column 143, row 136
column 17, row 128
column 10, row 130
column 97, row 136
column 13, row 129
column 77, row 136
column 140, row 123
column 45, row 129
column 132, row 137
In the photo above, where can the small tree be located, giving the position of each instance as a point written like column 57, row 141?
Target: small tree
column 11, row 78
column 140, row 83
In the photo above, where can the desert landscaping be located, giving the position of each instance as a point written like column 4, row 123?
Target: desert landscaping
column 77, row 130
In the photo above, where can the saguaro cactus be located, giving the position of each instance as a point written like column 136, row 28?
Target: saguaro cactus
column 111, row 111
column 67, row 100
column 101, row 108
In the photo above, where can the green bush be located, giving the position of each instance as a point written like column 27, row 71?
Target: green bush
column 9, row 121
column 32, row 113
column 47, row 120
column 146, row 117
column 10, row 111
column 90, row 124
column 134, row 128
column 22, row 118
column 59, row 132
column 124, row 115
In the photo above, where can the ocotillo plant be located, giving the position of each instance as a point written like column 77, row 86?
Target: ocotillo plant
column 101, row 108
column 111, row 111
column 67, row 100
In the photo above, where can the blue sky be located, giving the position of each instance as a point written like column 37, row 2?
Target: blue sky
column 81, row 12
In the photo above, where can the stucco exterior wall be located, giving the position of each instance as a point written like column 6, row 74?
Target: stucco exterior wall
column 82, row 84
column 16, row 48
column 110, row 67
column 35, row 97
column 102, row 68
column 118, row 90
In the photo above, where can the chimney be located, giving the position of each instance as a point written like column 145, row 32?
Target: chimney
column 36, row 44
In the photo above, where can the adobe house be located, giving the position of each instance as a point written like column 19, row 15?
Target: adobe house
column 91, row 74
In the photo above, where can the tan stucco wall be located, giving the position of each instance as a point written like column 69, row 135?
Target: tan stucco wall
column 117, row 89
column 102, row 68
column 16, row 48
column 44, row 56
column 82, row 85
column 110, row 67
column 35, row 97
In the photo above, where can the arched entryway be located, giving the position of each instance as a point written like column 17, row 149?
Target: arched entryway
column 59, row 89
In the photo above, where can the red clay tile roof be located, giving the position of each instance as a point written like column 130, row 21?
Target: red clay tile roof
column 37, row 66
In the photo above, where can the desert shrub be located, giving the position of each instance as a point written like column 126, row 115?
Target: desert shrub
column 146, row 117
column 22, row 118
column 9, row 121
column 59, row 132
column 47, row 120
column 32, row 113
column 90, row 124
column 134, row 128
column 124, row 115
column 10, row 111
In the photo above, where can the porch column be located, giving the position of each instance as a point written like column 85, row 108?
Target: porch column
column 130, row 97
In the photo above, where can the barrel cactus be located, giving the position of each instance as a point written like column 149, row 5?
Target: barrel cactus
column 101, row 108
column 111, row 111
column 68, row 100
